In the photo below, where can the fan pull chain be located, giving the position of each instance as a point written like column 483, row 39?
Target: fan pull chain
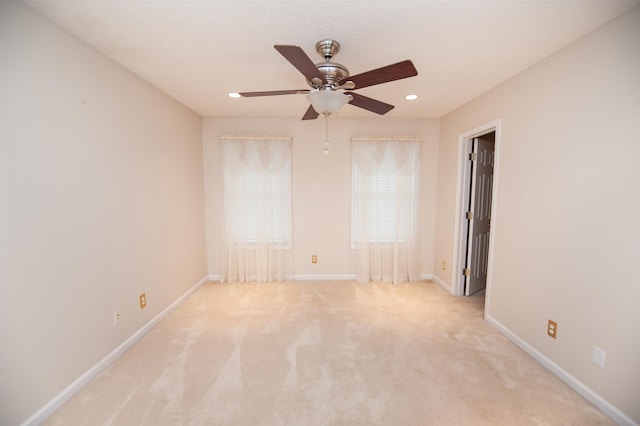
column 326, row 132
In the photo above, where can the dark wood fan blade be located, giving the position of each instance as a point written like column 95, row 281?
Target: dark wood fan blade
column 393, row 72
column 311, row 114
column 273, row 93
column 370, row 104
column 300, row 60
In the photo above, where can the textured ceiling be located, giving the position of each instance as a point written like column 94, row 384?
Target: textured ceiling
column 199, row 50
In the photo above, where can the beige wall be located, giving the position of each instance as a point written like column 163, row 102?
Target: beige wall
column 321, row 186
column 566, row 227
column 101, row 200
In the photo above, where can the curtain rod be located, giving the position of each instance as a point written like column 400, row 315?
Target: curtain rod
column 258, row 137
column 385, row 138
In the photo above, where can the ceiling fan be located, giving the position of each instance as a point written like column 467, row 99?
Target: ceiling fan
column 331, row 84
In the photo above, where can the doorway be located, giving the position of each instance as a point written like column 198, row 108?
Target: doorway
column 478, row 214
column 476, row 209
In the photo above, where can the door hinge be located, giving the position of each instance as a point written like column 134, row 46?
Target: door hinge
column 473, row 156
column 467, row 272
column 469, row 215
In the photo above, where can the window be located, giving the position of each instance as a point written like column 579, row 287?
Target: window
column 385, row 191
column 257, row 190
column 259, row 207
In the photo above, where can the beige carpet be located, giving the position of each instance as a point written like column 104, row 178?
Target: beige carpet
column 326, row 353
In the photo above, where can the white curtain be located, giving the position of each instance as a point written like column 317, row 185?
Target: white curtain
column 257, row 208
column 385, row 201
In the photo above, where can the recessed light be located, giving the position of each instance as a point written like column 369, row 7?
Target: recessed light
column 234, row 95
column 411, row 97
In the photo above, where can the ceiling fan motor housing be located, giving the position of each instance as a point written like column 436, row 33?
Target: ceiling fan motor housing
column 333, row 74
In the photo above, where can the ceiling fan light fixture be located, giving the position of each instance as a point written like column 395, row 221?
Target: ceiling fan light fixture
column 327, row 101
column 411, row 97
column 233, row 95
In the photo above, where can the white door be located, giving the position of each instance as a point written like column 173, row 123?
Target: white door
column 479, row 215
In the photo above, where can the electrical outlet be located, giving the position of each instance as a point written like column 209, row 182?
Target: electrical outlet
column 552, row 329
column 598, row 356
column 314, row 259
column 116, row 317
column 444, row 265
column 143, row 301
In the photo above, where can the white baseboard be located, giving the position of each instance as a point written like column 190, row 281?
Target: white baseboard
column 54, row 404
column 599, row 402
column 323, row 278
column 442, row 284
column 426, row 277
column 334, row 277
column 306, row 278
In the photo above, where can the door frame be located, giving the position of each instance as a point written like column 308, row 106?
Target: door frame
column 465, row 146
